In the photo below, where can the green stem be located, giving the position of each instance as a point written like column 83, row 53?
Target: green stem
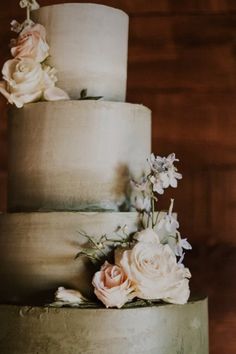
column 93, row 242
column 148, row 220
column 158, row 213
column 117, row 241
column 95, row 245
column 28, row 14
column 153, row 211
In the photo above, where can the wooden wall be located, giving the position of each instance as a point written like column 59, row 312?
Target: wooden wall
column 182, row 65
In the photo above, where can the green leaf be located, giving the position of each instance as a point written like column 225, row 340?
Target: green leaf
column 83, row 96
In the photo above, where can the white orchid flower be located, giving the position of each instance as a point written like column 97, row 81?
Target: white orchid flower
column 157, row 184
column 170, row 160
column 173, row 176
column 156, row 163
column 181, row 244
column 168, row 225
column 163, row 172
column 141, row 186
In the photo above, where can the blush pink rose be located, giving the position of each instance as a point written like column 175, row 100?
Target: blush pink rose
column 31, row 44
column 112, row 286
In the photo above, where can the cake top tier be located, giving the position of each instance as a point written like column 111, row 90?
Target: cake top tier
column 88, row 47
column 64, row 50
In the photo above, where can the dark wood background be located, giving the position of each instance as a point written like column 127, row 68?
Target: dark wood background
column 182, row 64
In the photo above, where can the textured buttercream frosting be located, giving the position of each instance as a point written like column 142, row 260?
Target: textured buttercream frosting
column 88, row 47
column 37, row 251
column 80, row 155
column 76, row 155
column 161, row 329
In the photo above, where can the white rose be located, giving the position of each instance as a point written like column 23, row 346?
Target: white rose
column 23, row 81
column 153, row 269
column 26, row 81
column 112, row 286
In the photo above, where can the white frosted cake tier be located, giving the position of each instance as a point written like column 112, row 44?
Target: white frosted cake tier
column 88, row 47
column 76, row 155
column 161, row 329
column 37, row 251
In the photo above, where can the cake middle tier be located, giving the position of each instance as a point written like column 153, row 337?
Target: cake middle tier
column 76, row 155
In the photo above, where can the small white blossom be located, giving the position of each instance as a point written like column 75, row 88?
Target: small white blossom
column 142, row 204
column 181, row 244
column 141, row 195
column 157, row 184
column 170, row 160
column 141, row 186
column 172, row 176
column 16, row 26
column 156, row 163
column 168, row 225
column 31, row 4
column 69, row 296
column 163, row 172
column 167, row 229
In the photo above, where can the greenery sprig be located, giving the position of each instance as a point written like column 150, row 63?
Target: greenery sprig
column 98, row 249
column 84, row 96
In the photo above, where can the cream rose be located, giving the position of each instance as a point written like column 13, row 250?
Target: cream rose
column 27, row 81
column 112, row 286
column 24, row 81
column 31, row 44
column 153, row 269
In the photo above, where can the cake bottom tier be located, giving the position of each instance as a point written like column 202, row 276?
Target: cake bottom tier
column 162, row 329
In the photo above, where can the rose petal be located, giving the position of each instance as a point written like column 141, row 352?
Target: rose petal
column 9, row 68
column 55, row 94
column 69, row 296
column 3, row 90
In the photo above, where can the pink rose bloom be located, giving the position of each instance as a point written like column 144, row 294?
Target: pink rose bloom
column 112, row 286
column 31, row 44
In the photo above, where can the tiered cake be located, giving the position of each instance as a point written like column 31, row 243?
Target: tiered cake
column 69, row 169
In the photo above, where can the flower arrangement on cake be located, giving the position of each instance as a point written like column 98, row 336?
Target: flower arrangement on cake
column 26, row 77
column 147, row 264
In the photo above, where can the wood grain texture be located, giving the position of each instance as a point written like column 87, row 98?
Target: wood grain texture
column 182, row 53
column 212, row 270
column 182, row 64
column 153, row 6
